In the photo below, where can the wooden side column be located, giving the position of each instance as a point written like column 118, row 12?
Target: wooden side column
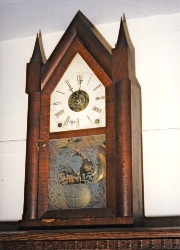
column 123, row 146
column 32, row 157
column 123, row 137
column 33, row 89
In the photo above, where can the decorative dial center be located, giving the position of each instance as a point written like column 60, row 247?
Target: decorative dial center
column 78, row 100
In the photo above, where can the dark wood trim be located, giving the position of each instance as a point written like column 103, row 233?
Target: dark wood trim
column 123, row 146
column 75, row 133
column 93, row 234
column 110, row 151
column 75, row 223
column 32, row 157
column 58, row 70
column 43, row 156
column 107, row 238
column 82, row 28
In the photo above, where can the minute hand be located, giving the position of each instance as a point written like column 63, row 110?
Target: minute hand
column 79, row 80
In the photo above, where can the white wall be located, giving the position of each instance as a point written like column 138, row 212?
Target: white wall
column 157, row 44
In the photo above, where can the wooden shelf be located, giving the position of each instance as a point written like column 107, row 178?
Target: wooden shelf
column 106, row 238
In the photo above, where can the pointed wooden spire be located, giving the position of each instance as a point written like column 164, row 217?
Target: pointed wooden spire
column 121, row 54
column 122, row 41
column 34, row 68
column 37, row 56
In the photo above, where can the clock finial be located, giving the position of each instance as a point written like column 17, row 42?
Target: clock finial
column 122, row 40
column 37, row 56
column 34, row 68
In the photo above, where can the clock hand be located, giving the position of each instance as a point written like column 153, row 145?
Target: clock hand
column 69, row 85
column 79, row 80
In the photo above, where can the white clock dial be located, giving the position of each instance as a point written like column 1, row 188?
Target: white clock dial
column 78, row 101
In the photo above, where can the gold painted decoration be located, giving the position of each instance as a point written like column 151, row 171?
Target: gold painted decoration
column 77, row 173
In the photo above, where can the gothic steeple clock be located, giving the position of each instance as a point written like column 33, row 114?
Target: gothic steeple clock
column 83, row 158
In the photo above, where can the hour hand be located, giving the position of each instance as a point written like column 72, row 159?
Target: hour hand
column 69, row 85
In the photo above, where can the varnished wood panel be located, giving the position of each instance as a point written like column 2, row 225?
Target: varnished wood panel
column 77, row 222
column 139, row 238
column 32, row 157
column 123, row 147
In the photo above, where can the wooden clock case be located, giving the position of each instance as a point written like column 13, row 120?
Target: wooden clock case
column 115, row 69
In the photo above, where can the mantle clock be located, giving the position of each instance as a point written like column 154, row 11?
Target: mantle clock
column 83, row 154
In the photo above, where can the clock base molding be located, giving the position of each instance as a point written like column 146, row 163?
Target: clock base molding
column 107, row 238
column 77, row 223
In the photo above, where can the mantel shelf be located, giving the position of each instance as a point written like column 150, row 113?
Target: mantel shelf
column 106, row 238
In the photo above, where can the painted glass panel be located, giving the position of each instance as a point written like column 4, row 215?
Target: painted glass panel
column 77, row 172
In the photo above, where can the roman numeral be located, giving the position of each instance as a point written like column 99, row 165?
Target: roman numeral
column 79, row 79
column 89, row 118
column 97, row 109
column 67, row 120
column 59, row 113
column 57, row 103
column 100, row 98
column 60, row 92
column 69, row 85
column 77, row 123
column 89, row 80
column 98, row 86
